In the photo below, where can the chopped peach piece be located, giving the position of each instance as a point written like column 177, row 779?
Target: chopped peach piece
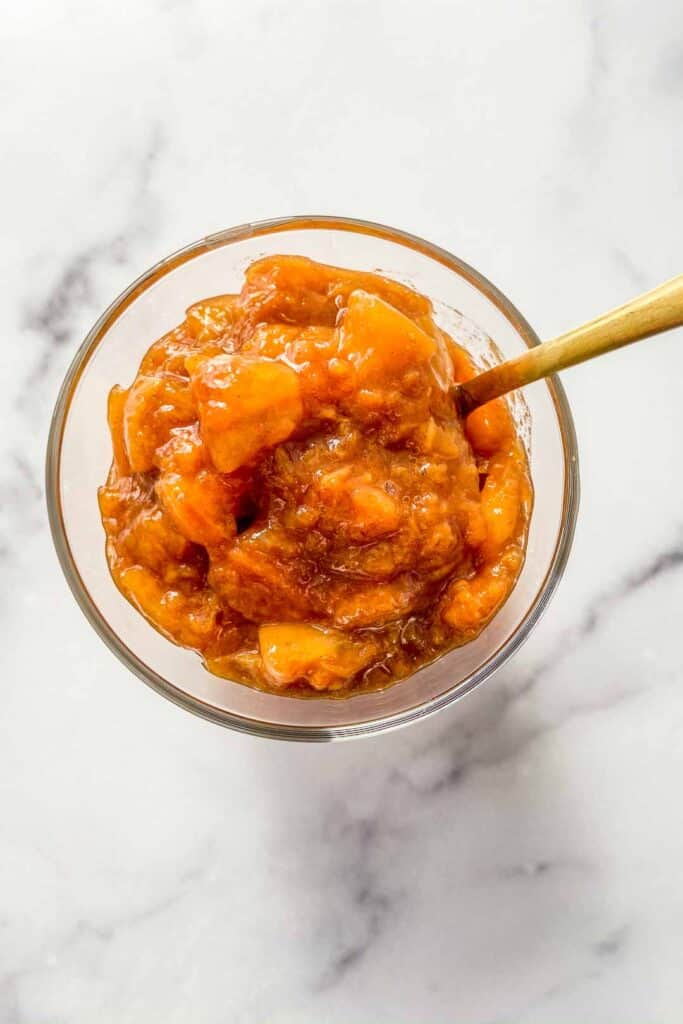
column 201, row 506
column 271, row 340
column 212, row 318
column 470, row 602
column 188, row 619
column 153, row 407
column 295, row 289
column 490, row 426
column 325, row 658
column 380, row 341
column 115, row 413
column 461, row 362
column 245, row 406
column 372, row 604
column 153, row 541
column 258, row 577
column 201, row 502
column 238, row 665
column 299, row 343
column 167, row 355
column 474, row 524
column 503, row 501
column 435, row 440
column 184, row 452
column 376, row 511
column 313, row 352
column 362, row 510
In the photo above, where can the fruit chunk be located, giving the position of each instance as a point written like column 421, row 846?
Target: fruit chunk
column 324, row 658
column 201, row 502
column 184, row 452
column 355, row 506
column 201, row 506
column 115, row 411
column 295, row 289
column 154, row 406
column 380, row 341
column 211, row 318
column 468, row 605
column 189, row 619
column 167, row 355
column 461, row 363
column 489, row 427
column 503, row 502
column 259, row 576
column 372, row 604
column 152, row 540
column 312, row 351
column 273, row 340
column 241, row 664
column 245, row 406
column 375, row 511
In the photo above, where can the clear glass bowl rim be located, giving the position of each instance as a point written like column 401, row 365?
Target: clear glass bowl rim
column 193, row 704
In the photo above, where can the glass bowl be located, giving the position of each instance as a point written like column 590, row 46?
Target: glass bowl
column 79, row 454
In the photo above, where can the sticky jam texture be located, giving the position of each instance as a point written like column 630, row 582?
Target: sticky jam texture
column 292, row 494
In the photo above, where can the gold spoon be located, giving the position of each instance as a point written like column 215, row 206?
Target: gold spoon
column 651, row 313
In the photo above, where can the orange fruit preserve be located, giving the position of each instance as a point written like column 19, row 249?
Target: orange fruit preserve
column 293, row 495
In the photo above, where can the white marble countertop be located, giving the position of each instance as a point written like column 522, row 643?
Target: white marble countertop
column 518, row 858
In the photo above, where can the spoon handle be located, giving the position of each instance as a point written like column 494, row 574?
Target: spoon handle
column 651, row 313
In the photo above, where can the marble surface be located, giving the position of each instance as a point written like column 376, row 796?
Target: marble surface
column 518, row 858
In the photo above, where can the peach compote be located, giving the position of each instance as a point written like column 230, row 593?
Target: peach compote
column 293, row 495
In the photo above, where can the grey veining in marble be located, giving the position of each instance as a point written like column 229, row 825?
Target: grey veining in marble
column 516, row 860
